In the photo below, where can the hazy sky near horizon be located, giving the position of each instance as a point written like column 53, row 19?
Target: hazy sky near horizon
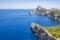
column 28, row 4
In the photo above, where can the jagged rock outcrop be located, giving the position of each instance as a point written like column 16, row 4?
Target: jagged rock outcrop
column 40, row 10
column 55, row 15
column 52, row 13
column 41, row 33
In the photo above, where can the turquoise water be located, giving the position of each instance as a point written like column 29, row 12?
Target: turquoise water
column 15, row 24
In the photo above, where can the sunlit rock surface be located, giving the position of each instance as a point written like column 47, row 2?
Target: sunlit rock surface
column 41, row 33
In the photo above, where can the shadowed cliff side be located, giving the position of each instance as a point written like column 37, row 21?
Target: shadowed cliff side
column 42, row 33
column 52, row 13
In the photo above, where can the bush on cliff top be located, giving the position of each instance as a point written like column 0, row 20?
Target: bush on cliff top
column 54, row 30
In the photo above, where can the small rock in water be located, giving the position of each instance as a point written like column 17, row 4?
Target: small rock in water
column 30, row 12
column 36, row 34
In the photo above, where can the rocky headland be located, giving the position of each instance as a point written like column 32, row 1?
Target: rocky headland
column 52, row 13
column 46, row 33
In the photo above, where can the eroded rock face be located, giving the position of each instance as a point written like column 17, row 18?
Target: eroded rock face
column 51, row 13
column 41, row 33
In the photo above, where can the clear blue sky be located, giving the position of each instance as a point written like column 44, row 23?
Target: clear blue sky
column 28, row 4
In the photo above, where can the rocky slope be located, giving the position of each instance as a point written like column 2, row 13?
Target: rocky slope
column 41, row 33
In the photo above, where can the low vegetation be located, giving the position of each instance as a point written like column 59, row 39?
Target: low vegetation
column 54, row 30
column 57, row 12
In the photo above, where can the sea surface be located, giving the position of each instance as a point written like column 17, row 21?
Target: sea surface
column 15, row 24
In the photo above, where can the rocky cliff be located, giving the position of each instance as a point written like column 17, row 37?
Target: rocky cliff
column 41, row 33
column 52, row 13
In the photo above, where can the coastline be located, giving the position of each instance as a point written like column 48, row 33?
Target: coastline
column 51, row 13
column 42, row 33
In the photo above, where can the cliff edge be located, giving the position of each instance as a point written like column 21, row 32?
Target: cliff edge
column 41, row 33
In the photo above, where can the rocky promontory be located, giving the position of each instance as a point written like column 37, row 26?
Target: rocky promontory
column 42, row 33
column 52, row 13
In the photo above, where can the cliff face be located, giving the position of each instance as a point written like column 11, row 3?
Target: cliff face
column 40, row 10
column 52, row 13
column 41, row 33
column 55, row 15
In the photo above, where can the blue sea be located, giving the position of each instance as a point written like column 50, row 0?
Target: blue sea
column 15, row 24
